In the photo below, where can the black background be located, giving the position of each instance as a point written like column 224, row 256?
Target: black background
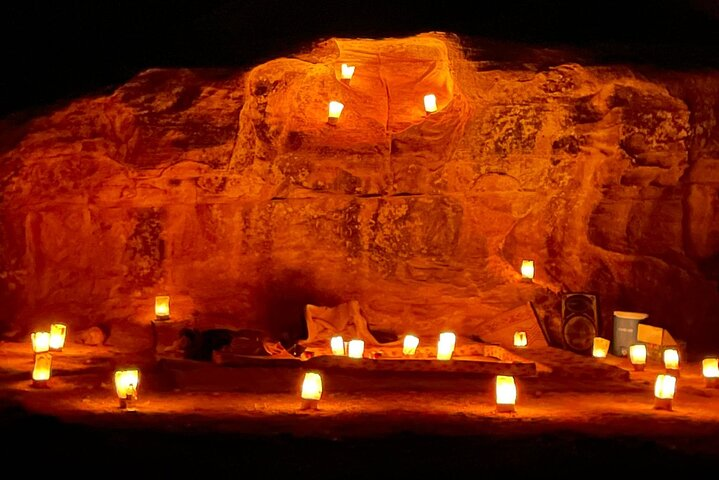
column 61, row 49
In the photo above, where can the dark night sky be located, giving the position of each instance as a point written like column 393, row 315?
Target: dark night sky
column 60, row 49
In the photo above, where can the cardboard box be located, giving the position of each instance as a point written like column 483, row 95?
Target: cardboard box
column 657, row 340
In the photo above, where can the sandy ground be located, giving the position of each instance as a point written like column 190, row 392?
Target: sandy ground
column 560, row 421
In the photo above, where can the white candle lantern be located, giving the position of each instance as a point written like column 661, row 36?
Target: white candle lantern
column 334, row 111
column 664, row 392
column 311, row 391
column 671, row 361
column 430, row 103
column 127, row 382
column 506, row 394
column 356, row 349
column 40, row 341
column 58, row 331
column 42, row 369
column 445, row 346
column 337, row 344
column 600, row 348
column 710, row 370
column 527, row 270
column 162, row 307
column 346, row 72
column 638, row 356
column 409, row 347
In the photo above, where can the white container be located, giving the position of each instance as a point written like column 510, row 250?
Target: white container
column 625, row 331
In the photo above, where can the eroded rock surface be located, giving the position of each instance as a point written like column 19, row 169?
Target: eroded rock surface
column 229, row 191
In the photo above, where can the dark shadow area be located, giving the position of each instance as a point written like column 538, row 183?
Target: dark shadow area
column 198, row 451
column 56, row 50
column 285, row 296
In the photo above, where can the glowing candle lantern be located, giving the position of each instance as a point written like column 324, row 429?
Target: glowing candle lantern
column 445, row 346
column 346, row 72
column 671, row 361
column 520, row 339
column 162, row 307
column 335, row 110
column 506, row 394
column 527, row 270
column 126, row 383
column 710, row 367
column 410, row 345
column 356, row 349
column 430, row 103
column 664, row 392
column 311, row 391
column 40, row 341
column 638, row 356
column 42, row 369
column 337, row 344
column 57, row 336
column 710, row 370
column 601, row 347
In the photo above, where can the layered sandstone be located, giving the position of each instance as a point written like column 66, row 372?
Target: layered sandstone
column 229, row 191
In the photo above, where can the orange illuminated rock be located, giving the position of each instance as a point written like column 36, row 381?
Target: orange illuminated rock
column 229, row 191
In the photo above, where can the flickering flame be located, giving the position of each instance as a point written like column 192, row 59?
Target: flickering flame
column 335, row 110
column 671, row 359
column 601, row 347
column 347, row 72
column 445, row 346
column 638, row 354
column 710, row 367
column 356, row 349
column 312, row 386
column 42, row 368
column 57, row 336
column 430, row 103
column 520, row 339
column 664, row 386
column 126, row 383
column 506, row 390
column 410, row 345
column 527, row 269
column 162, row 306
column 337, row 344
column 40, row 341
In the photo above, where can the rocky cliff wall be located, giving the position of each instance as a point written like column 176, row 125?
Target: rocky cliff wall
column 229, row 191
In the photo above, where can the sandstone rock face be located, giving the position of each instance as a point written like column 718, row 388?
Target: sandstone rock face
column 229, row 191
